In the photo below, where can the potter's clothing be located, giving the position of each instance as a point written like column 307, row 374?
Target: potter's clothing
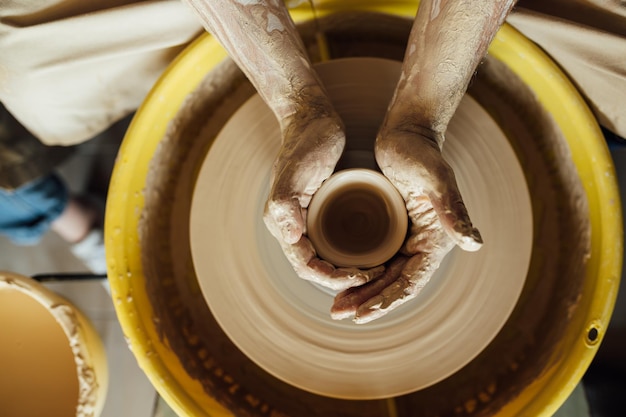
column 70, row 68
column 587, row 39
column 27, row 212
column 23, row 158
column 30, row 197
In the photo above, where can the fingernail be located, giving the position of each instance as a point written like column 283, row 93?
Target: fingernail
column 292, row 232
column 472, row 241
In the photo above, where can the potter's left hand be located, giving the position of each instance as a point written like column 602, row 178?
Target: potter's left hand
column 413, row 162
column 436, row 70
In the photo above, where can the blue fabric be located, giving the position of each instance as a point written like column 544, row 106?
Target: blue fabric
column 27, row 212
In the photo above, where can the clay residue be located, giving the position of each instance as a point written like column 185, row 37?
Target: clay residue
column 88, row 383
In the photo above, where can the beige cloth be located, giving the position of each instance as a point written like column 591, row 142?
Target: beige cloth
column 70, row 68
column 588, row 40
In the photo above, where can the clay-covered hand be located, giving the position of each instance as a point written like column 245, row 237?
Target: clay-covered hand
column 262, row 39
column 436, row 71
column 313, row 141
column 412, row 161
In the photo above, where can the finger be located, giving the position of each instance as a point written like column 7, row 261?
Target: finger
column 347, row 302
column 340, row 279
column 284, row 219
column 425, row 232
column 453, row 215
column 397, row 293
column 308, row 266
column 417, row 272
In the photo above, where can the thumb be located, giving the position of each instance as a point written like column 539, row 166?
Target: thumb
column 455, row 219
column 284, row 219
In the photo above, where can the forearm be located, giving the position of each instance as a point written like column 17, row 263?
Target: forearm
column 448, row 40
column 262, row 39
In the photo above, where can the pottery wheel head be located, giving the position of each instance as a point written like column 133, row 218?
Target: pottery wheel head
column 282, row 323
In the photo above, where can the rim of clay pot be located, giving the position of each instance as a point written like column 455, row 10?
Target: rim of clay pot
column 83, row 341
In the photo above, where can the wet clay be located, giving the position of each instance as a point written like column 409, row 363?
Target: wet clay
column 357, row 218
column 520, row 352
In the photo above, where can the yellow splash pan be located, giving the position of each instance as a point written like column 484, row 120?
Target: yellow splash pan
column 578, row 343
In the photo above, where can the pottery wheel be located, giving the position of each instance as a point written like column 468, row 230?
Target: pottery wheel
column 283, row 324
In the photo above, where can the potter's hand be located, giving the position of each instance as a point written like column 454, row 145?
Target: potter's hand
column 436, row 70
column 312, row 144
column 413, row 162
column 262, row 39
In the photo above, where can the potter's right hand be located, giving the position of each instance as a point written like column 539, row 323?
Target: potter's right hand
column 313, row 141
column 436, row 71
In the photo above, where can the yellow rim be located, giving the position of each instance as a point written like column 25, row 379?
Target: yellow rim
column 560, row 97
column 125, row 204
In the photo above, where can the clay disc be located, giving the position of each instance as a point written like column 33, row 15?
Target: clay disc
column 282, row 323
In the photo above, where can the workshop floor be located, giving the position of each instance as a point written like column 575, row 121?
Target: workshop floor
column 131, row 394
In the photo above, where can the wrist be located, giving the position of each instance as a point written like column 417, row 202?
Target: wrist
column 411, row 126
column 306, row 105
